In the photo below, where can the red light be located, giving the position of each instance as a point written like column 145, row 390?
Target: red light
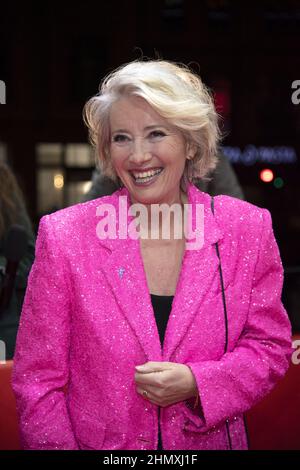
column 266, row 175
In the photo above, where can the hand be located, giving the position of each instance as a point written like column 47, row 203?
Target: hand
column 165, row 382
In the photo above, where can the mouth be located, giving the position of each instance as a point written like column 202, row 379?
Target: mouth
column 145, row 177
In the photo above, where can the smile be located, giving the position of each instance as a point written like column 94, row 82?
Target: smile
column 146, row 177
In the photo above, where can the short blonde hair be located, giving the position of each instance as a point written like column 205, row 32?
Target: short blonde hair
column 174, row 92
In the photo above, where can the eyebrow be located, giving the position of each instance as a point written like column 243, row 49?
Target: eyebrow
column 147, row 128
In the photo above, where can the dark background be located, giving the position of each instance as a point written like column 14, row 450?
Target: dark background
column 54, row 54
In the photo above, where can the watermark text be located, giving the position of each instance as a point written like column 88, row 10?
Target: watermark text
column 296, row 93
column 166, row 222
column 2, row 92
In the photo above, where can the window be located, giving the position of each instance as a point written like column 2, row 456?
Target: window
column 63, row 174
column 79, row 155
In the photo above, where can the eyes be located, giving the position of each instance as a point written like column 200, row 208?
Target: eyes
column 124, row 138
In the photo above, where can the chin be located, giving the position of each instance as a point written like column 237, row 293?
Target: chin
column 146, row 198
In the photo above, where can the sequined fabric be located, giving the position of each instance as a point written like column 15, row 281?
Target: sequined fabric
column 85, row 326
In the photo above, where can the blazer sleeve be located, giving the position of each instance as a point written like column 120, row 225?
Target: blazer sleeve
column 41, row 363
column 243, row 376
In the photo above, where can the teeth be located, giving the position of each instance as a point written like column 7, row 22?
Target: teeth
column 146, row 174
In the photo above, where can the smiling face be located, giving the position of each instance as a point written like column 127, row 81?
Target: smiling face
column 147, row 153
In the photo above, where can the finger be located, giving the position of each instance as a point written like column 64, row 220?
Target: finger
column 152, row 379
column 148, row 396
column 152, row 366
column 145, row 393
column 158, row 401
column 154, row 394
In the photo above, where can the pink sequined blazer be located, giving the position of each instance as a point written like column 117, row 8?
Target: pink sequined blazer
column 87, row 321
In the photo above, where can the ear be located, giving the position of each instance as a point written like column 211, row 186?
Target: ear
column 191, row 150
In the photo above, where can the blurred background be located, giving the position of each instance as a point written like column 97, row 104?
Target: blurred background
column 53, row 56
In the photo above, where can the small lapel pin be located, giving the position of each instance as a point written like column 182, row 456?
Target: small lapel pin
column 121, row 272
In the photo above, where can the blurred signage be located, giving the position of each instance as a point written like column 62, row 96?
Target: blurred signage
column 252, row 154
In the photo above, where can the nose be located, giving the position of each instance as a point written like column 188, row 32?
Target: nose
column 140, row 152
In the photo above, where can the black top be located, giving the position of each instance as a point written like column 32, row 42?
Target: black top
column 162, row 305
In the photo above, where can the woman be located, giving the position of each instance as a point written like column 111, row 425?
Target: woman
column 131, row 339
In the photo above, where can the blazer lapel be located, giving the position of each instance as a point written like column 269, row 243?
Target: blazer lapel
column 198, row 271
column 124, row 271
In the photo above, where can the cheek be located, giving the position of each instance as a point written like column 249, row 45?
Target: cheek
column 117, row 157
column 176, row 159
column 174, row 151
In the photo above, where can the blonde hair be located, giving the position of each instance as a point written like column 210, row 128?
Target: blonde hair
column 174, row 92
